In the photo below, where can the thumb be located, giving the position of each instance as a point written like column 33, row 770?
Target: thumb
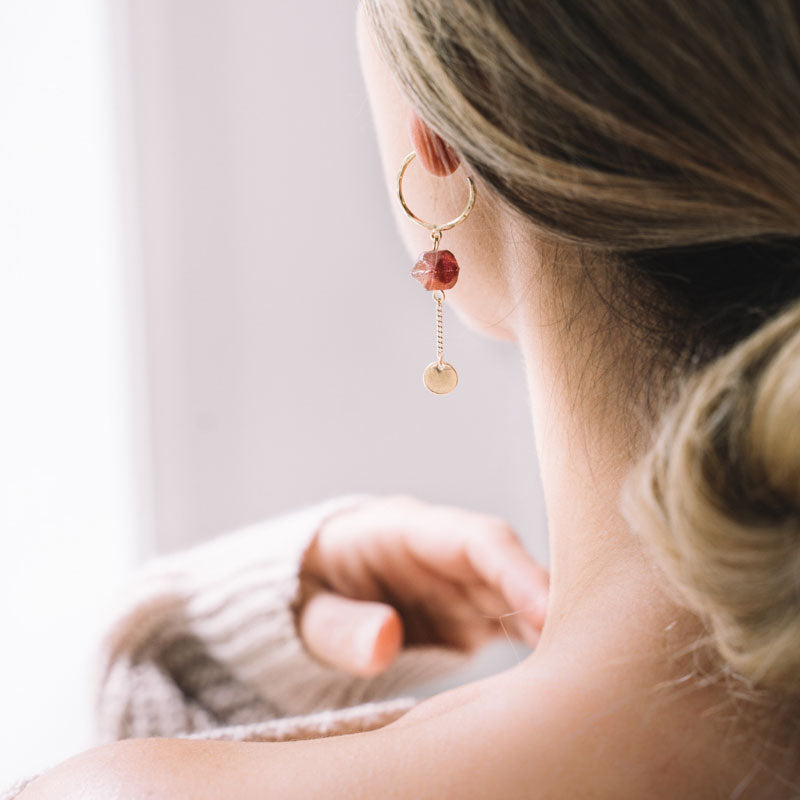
column 357, row 636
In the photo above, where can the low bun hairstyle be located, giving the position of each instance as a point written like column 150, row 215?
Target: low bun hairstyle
column 662, row 139
column 718, row 495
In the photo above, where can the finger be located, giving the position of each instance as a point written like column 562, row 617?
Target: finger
column 356, row 636
column 507, row 567
column 467, row 546
column 500, row 616
column 463, row 613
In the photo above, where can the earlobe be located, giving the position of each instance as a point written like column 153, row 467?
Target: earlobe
column 432, row 151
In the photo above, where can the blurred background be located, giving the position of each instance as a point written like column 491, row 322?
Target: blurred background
column 206, row 318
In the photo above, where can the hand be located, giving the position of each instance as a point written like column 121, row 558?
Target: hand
column 397, row 570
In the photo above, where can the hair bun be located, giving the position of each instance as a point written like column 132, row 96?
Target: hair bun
column 718, row 495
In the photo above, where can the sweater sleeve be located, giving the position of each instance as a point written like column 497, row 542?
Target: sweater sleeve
column 207, row 637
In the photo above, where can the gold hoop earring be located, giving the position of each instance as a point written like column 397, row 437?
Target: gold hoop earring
column 436, row 270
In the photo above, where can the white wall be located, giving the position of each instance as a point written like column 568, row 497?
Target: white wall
column 69, row 503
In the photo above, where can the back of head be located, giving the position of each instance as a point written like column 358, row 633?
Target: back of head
column 662, row 137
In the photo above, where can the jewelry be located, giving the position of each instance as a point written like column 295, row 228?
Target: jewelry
column 437, row 270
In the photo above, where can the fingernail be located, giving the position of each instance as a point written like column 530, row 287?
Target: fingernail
column 367, row 635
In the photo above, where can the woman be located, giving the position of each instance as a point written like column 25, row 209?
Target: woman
column 636, row 232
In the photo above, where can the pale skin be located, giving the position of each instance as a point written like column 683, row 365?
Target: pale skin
column 582, row 715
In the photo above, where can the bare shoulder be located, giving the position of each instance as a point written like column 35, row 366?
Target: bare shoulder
column 496, row 738
column 457, row 752
column 96, row 773
column 391, row 765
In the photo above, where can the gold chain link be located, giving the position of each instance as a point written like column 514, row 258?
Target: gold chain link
column 438, row 296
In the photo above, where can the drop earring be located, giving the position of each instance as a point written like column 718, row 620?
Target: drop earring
column 436, row 270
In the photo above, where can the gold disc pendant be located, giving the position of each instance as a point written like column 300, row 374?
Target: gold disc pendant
column 440, row 379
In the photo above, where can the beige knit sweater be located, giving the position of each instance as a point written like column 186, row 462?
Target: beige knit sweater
column 204, row 644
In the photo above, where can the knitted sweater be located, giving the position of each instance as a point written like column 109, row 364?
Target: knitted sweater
column 205, row 645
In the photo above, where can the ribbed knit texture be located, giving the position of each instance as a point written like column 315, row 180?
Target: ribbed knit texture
column 205, row 645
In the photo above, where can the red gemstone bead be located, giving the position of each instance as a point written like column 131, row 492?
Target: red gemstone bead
column 436, row 269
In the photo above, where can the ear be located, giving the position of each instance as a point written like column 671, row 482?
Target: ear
column 435, row 154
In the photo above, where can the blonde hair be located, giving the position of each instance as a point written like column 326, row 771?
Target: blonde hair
column 663, row 135
column 718, row 495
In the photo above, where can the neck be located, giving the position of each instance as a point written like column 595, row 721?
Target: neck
column 617, row 653
column 608, row 601
column 593, row 554
column 616, row 649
